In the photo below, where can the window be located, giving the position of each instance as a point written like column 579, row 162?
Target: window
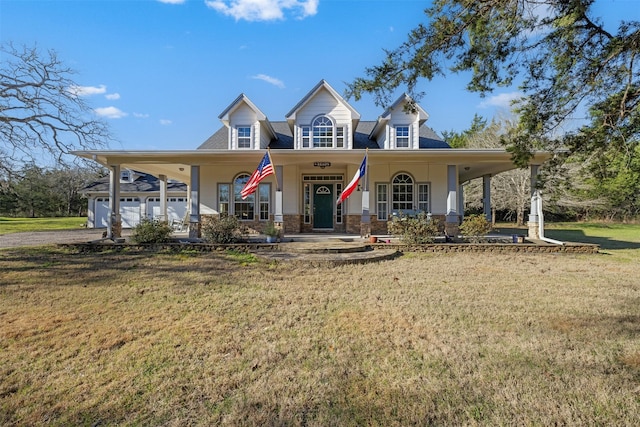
column 264, row 190
column 382, row 197
column 223, row 198
column 340, row 137
column 245, row 209
column 402, row 192
column 402, row 136
column 244, row 137
column 423, row 197
column 306, row 132
column 322, row 132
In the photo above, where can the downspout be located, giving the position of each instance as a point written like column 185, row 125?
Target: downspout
column 541, row 222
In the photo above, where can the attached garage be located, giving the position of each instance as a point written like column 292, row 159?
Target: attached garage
column 139, row 199
column 129, row 211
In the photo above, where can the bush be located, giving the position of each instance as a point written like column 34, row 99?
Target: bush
column 223, row 229
column 475, row 227
column 151, row 231
column 415, row 230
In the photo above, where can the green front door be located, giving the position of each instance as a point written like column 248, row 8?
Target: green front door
column 323, row 206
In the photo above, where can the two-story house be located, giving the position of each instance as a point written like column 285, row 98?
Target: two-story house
column 316, row 150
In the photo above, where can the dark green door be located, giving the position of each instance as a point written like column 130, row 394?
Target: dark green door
column 323, row 206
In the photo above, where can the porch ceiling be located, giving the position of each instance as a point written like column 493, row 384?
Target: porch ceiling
column 177, row 164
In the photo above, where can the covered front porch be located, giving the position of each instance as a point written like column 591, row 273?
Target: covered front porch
column 296, row 190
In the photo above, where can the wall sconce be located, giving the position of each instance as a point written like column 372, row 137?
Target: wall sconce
column 359, row 188
column 181, row 169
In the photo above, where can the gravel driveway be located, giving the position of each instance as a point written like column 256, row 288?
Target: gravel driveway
column 38, row 238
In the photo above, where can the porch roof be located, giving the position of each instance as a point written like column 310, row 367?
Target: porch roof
column 176, row 163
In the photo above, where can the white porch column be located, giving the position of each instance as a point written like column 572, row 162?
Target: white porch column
column 533, row 223
column 278, row 214
column 461, row 200
column 452, row 218
column 486, row 197
column 194, row 200
column 163, row 198
column 114, row 226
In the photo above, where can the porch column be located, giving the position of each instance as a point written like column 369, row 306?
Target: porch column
column 278, row 214
column 114, row 226
column 461, row 200
column 163, row 198
column 452, row 220
column 486, row 197
column 533, row 223
column 194, row 200
column 365, row 218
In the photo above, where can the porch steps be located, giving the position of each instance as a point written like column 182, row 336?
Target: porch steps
column 328, row 253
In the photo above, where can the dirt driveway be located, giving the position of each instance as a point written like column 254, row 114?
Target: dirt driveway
column 38, row 238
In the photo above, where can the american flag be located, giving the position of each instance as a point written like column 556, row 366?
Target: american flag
column 265, row 168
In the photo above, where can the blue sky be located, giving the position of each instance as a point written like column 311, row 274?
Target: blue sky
column 161, row 71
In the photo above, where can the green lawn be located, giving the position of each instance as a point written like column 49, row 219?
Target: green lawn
column 16, row 225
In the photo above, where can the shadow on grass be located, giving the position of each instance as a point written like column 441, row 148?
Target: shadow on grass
column 575, row 236
column 51, row 265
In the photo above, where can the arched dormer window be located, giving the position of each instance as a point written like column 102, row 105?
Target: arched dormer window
column 323, row 133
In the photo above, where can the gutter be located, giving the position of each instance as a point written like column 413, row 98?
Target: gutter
column 541, row 223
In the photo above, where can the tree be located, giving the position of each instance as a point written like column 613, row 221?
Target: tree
column 41, row 115
column 563, row 58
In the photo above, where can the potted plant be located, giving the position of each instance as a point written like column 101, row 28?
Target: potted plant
column 271, row 231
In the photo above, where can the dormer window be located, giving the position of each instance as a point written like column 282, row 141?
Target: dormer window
column 125, row 176
column 402, row 136
column 244, row 136
column 322, row 134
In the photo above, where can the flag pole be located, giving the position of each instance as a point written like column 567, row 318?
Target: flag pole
column 366, row 171
column 274, row 168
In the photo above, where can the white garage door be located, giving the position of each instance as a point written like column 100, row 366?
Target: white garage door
column 129, row 212
column 176, row 208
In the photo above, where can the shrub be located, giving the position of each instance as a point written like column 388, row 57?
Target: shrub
column 475, row 227
column 223, row 229
column 151, row 231
column 415, row 230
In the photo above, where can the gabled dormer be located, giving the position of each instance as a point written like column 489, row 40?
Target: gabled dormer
column 399, row 126
column 248, row 127
column 323, row 120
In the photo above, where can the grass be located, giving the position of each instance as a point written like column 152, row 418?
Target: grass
column 16, row 225
column 226, row 339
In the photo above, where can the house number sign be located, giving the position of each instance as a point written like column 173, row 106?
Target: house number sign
column 321, row 165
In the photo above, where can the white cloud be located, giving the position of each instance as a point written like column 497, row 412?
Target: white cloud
column 270, row 80
column 172, row 1
column 87, row 90
column 110, row 112
column 263, row 10
column 140, row 115
column 112, row 96
column 165, row 122
column 503, row 100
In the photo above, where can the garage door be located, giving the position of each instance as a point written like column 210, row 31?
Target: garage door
column 129, row 212
column 176, row 208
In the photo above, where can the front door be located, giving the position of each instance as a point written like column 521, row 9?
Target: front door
column 323, row 206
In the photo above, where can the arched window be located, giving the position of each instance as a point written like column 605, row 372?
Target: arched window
column 402, row 193
column 243, row 209
column 322, row 129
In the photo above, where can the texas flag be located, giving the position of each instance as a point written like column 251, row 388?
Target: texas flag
column 354, row 182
